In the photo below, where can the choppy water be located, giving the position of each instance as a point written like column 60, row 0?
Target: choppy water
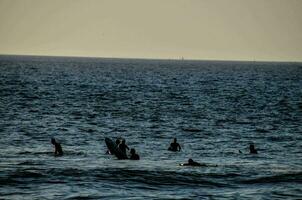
column 214, row 109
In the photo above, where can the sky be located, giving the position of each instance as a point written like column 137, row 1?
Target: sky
column 269, row 30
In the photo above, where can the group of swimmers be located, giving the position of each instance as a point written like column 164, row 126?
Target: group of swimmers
column 121, row 144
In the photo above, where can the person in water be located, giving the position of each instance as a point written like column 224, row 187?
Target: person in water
column 122, row 146
column 58, row 147
column 191, row 162
column 134, row 156
column 117, row 142
column 174, row 146
column 252, row 149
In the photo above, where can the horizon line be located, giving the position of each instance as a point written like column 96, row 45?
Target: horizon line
column 181, row 59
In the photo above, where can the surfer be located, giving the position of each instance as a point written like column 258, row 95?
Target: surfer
column 252, row 149
column 134, row 156
column 58, row 147
column 174, row 146
column 122, row 146
column 191, row 162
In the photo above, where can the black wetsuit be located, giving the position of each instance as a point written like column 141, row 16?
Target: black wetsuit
column 134, row 157
column 174, row 146
column 58, row 149
column 253, row 151
column 123, row 147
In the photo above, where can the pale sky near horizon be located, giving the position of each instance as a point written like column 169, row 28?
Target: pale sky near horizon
column 171, row 29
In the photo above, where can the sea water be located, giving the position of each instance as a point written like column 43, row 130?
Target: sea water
column 214, row 109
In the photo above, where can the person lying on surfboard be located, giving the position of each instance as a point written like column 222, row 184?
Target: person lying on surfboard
column 191, row 162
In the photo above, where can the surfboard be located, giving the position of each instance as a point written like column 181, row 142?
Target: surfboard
column 113, row 148
column 201, row 165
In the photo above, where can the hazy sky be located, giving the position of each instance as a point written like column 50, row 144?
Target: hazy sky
column 194, row 29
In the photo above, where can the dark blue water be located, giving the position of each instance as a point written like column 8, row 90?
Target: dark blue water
column 214, row 109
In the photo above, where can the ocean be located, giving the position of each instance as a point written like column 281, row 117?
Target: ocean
column 215, row 109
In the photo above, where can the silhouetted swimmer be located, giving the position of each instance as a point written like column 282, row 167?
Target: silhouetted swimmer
column 58, row 147
column 252, row 149
column 122, row 146
column 191, row 162
column 174, row 146
column 134, row 156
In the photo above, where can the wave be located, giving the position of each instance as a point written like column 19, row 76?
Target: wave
column 290, row 177
column 30, row 163
column 262, row 130
column 192, row 130
column 4, row 181
column 146, row 177
column 28, row 174
column 160, row 178
column 66, row 153
column 82, row 197
column 35, row 153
